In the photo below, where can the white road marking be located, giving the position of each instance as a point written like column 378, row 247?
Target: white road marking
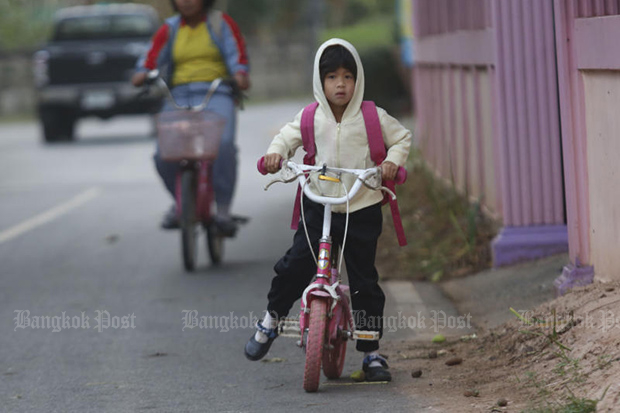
column 49, row 215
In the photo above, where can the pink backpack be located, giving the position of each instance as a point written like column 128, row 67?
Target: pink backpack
column 377, row 154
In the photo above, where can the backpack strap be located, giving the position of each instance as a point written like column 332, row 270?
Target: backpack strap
column 307, row 132
column 307, row 139
column 378, row 154
column 373, row 130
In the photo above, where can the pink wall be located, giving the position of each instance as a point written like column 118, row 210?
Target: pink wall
column 573, row 128
column 509, row 44
column 528, row 133
column 588, row 67
column 486, row 84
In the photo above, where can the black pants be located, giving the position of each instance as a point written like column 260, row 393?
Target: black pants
column 296, row 269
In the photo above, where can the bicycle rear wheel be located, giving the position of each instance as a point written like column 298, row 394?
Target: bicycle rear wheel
column 215, row 243
column 189, row 227
column 333, row 358
column 314, row 344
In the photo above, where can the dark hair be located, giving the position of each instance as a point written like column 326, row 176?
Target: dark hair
column 335, row 57
column 206, row 5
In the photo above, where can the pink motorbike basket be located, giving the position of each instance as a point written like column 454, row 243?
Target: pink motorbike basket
column 184, row 134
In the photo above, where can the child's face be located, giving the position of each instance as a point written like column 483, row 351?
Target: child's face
column 339, row 87
column 189, row 8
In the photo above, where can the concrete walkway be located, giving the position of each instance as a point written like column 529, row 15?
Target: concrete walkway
column 489, row 295
column 460, row 307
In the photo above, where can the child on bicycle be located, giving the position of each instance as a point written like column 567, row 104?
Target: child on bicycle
column 195, row 47
column 341, row 141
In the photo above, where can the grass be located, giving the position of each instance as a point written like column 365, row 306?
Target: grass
column 547, row 404
column 448, row 235
column 558, row 397
column 573, row 405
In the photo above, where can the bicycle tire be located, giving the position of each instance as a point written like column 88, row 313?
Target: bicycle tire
column 188, row 220
column 333, row 358
column 315, row 344
column 215, row 244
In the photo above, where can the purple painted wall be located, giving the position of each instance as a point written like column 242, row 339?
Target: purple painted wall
column 507, row 47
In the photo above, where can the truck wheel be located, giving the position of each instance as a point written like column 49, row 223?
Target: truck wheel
column 57, row 126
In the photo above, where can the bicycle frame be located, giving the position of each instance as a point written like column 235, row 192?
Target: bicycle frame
column 205, row 196
column 328, row 283
column 191, row 136
column 328, row 347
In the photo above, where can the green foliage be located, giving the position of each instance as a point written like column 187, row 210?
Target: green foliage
column 23, row 24
column 384, row 84
column 367, row 34
column 251, row 15
column 349, row 12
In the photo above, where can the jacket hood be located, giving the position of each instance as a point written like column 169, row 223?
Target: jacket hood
column 317, row 83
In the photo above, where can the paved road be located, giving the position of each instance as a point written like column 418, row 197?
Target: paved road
column 80, row 245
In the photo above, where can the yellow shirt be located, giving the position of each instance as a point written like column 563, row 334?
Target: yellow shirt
column 196, row 57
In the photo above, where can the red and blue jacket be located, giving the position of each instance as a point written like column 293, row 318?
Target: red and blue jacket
column 222, row 29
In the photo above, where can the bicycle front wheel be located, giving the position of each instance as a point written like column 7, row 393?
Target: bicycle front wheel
column 215, row 243
column 333, row 358
column 189, row 227
column 315, row 344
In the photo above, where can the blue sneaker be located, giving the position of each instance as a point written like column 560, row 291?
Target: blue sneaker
column 377, row 373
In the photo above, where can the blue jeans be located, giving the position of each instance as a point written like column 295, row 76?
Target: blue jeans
column 225, row 166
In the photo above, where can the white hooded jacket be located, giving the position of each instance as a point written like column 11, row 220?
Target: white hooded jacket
column 344, row 144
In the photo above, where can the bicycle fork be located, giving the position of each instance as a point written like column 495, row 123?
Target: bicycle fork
column 327, row 286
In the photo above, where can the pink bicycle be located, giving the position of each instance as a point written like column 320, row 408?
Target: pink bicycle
column 191, row 136
column 326, row 323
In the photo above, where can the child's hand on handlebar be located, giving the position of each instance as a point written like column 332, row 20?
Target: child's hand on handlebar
column 272, row 162
column 389, row 170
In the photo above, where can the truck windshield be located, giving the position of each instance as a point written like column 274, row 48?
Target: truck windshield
column 104, row 27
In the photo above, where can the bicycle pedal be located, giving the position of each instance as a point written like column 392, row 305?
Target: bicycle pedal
column 365, row 335
column 238, row 219
column 289, row 327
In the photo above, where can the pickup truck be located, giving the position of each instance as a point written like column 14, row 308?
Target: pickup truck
column 85, row 68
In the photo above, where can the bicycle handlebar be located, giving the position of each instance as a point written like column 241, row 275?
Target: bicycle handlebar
column 300, row 171
column 153, row 77
column 401, row 175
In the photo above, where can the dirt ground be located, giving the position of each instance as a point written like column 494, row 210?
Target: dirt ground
column 563, row 356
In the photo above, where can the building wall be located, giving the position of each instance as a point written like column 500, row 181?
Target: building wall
column 487, row 102
column 587, row 33
column 455, row 128
column 602, row 100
